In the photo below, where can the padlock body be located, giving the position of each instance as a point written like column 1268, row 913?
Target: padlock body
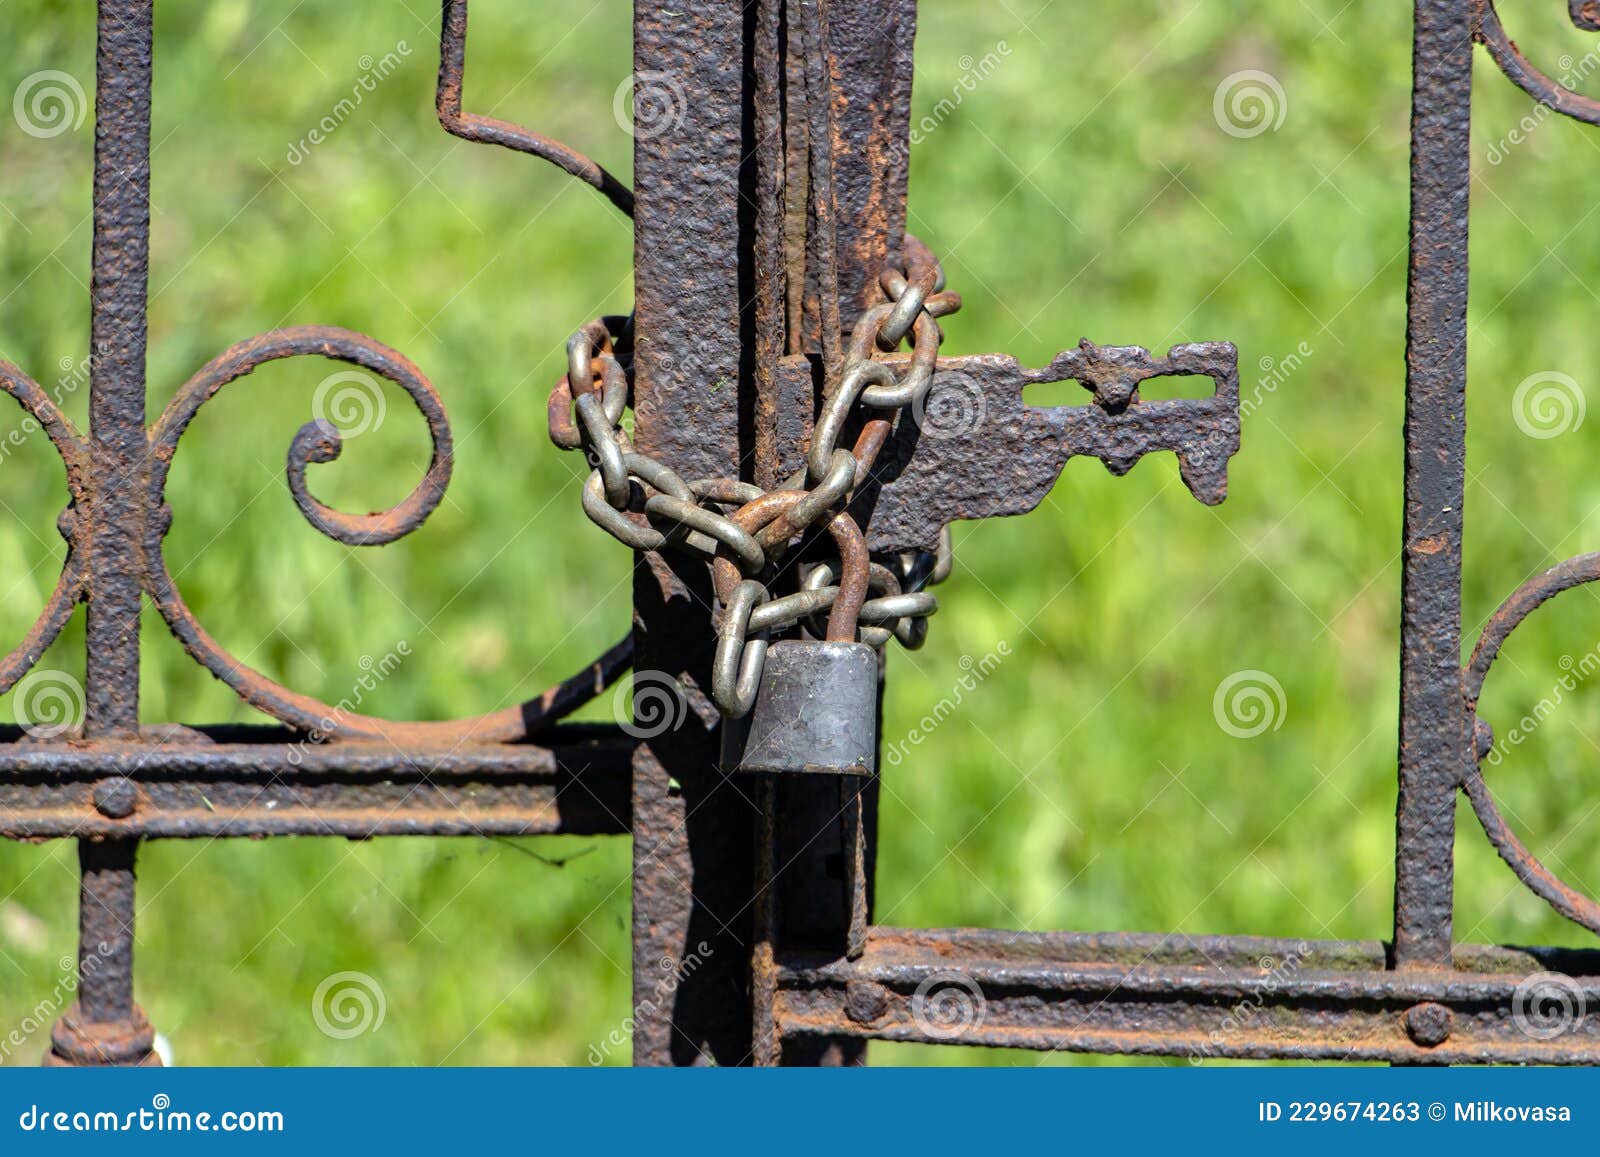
column 815, row 714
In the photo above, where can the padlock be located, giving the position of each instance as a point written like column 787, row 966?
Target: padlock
column 816, row 713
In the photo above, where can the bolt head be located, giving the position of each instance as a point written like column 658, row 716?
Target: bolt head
column 865, row 1001
column 1428, row 1024
column 116, row 798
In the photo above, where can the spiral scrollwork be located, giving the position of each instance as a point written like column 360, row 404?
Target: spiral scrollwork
column 42, row 409
column 1522, row 73
column 1574, row 905
column 320, row 441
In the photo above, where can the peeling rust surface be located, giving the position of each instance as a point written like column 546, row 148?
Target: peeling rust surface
column 1435, row 733
column 1180, row 996
column 1003, row 456
column 694, row 847
column 264, row 782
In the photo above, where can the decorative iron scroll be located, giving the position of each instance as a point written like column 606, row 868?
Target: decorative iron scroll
column 316, row 442
column 1547, row 91
column 1576, row 571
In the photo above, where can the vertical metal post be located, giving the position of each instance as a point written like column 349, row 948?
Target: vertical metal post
column 1434, row 728
column 718, row 256
column 818, row 883
column 693, row 829
column 118, row 293
column 105, row 1026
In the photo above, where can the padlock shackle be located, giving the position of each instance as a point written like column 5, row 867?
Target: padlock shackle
column 855, row 573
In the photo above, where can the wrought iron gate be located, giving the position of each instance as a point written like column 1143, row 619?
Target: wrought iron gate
column 763, row 214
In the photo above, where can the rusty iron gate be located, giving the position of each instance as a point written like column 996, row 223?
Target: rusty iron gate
column 767, row 210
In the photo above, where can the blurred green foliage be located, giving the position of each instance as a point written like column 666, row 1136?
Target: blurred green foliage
column 1083, row 188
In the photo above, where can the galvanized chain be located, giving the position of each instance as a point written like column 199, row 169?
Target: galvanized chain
column 746, row 531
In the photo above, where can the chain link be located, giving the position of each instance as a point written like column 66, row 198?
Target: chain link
column 744, row 530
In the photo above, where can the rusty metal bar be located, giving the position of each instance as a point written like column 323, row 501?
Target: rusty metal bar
column 816, row 881
column 118, row 292
column 1435, row 749
column 492, row 131
column 106, row 1026
column 694, row 829
column 257, row 782
column 1194, row 997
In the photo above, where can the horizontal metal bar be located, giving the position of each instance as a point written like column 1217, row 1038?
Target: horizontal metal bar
column 260, row 782
column 1200, row 997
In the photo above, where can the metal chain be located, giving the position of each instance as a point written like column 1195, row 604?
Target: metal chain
column 744, row 530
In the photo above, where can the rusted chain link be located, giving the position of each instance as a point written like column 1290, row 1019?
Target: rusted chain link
column 745, row 531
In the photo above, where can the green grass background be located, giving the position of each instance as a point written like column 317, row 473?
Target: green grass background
column 1082, row 189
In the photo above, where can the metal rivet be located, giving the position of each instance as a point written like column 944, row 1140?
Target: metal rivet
column 1428, row 1024
column 115, row 798
column 865, row 1001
